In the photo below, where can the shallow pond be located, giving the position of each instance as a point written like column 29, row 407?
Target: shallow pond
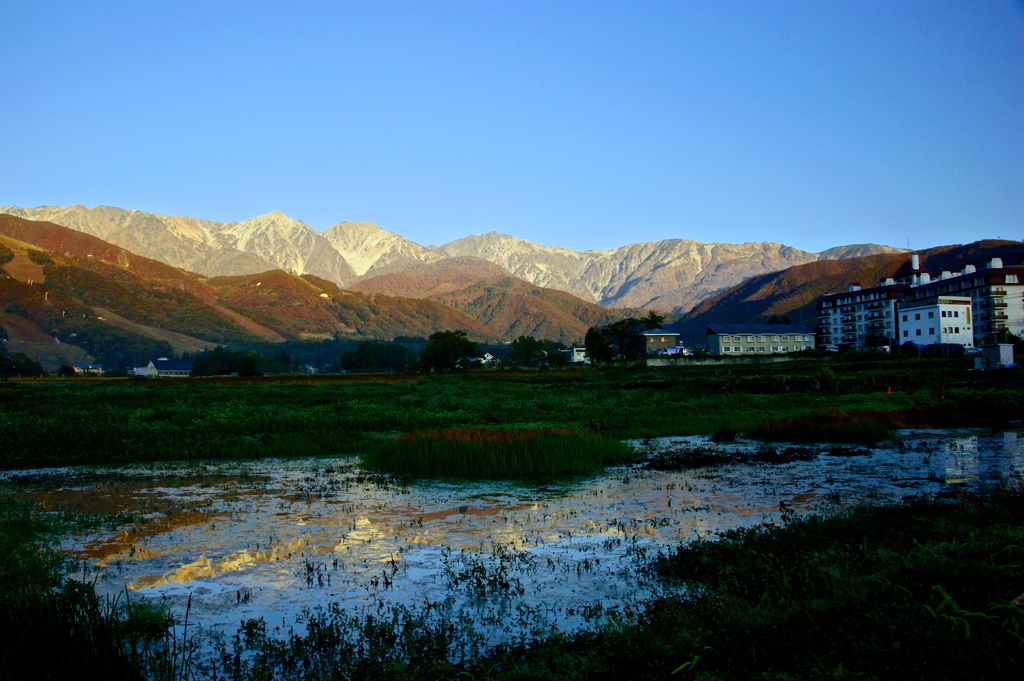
column 274, row 537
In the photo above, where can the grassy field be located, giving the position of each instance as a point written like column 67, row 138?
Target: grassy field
column 50, row 422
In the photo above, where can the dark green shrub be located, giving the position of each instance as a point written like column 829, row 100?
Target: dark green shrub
column 485, row 453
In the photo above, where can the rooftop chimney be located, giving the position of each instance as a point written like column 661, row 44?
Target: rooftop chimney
column 855, row 286
column 925, row 277
column 915, row 262
column 995, row 264
column 889, row 281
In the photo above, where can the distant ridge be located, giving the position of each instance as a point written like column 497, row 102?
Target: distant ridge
column 109, row 297
column 672, row 275
column 490, row 295
column 99, row 297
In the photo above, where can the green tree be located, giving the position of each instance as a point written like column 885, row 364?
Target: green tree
column 447, row 350
column 599, row 345
column 628, row 338
column 375, row 357
column 622, row 340
column 249, row 364
column 19, row 364
column 527, row 351
column 653, row 320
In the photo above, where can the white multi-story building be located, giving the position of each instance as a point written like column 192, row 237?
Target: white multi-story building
column 946, row 319
column 875, row 316
column 860, row 318
column 996, row 294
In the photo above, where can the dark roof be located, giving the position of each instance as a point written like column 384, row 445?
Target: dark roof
column 173, row 364
column 659, row 332
column 760, row 329
column 894, row 289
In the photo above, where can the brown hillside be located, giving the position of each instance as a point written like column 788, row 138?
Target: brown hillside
column 310, row 307
column 68, row 242
column 508, row 306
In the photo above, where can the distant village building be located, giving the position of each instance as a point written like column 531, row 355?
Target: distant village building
column 577, row 355
column 169, row 368
column 87, row 369
column 860, row 318
column 734, row 340
column 659, row 339
column 989, row 302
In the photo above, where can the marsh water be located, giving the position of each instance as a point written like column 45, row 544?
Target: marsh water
column 273, row 538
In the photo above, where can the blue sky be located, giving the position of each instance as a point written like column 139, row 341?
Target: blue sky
column 580, row 124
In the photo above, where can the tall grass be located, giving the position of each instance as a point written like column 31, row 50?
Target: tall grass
column 486, row 453
column 53, row 627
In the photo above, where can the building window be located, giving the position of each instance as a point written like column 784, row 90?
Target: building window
column 905, row 333
column 785, row 348
column 785, row 338
column 918, row 333
column 956, row 313
column 761, row 349
column 904, row 317
column 917, row 316
column 750, row 349
column 1011, row 278
column 931, row 315
column 931, row 331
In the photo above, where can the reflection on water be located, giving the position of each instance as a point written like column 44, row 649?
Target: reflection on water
column 270, row 538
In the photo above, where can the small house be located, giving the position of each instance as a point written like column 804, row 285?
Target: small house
column 169, row 368
column 659, row 339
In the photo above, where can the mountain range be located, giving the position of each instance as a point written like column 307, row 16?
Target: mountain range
column 670, row 275
column 66, row 296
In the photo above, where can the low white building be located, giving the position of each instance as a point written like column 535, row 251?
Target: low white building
column 577, row 355
column 945, row 319
column 758, row 339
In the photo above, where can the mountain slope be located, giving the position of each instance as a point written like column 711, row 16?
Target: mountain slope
column 368, row 248
column 255, row 245
column 59, row 287
column 487, row 293
column 671, row 275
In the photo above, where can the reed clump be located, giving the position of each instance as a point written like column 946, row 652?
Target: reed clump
column 831, row 425
column 491, row 453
